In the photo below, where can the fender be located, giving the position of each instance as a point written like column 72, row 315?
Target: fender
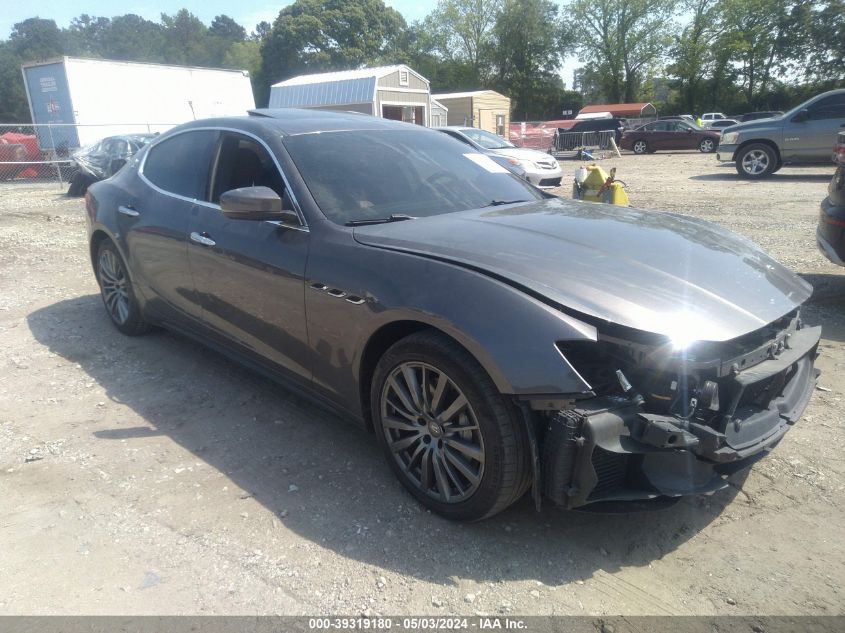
column 511, row 334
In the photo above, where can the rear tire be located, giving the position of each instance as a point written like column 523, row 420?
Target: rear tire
column 707, row 146
column 640, row 147
column 756, row 161
column 117, row 292
column 453, row 441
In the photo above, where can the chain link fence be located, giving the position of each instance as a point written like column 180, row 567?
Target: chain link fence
column 45, row 152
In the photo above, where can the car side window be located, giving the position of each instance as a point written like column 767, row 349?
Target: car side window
column 244, row 162
column 832, row 107
column 180, row 164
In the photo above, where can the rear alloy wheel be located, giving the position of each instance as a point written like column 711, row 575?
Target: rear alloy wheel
column 640, row 147
column 756, row 161
column 116, row 291
column 448, row 435
column 707, row 146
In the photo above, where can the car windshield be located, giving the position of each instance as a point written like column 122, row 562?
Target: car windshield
column 375, row 174
column 487, row 140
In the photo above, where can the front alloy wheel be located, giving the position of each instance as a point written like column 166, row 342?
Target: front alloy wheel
column 432, row 432
column 756, row 161
column 453, row 441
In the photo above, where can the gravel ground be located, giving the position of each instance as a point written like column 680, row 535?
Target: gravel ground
column 151, row 476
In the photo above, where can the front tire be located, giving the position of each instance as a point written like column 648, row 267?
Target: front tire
column 117, row 292
column 640, row 147
column 449, row 436
column 756, row 161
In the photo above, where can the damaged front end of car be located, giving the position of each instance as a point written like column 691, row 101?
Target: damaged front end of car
column 670, row 418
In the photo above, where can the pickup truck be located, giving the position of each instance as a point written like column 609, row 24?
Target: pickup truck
column 803, row 135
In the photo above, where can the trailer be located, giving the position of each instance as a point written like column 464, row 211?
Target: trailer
column 75, row 101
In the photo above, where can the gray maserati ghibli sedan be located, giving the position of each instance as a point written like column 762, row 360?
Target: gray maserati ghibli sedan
column 495, row 339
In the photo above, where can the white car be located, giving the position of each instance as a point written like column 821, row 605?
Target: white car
column 541, row 169
column 709, row 117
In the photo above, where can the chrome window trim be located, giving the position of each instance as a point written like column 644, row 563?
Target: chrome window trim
column 211, row 205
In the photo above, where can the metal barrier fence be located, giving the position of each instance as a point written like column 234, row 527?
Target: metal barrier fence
column 44, row 152
column 574, row 141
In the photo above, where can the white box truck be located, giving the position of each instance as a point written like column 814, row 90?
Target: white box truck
column 85, row 100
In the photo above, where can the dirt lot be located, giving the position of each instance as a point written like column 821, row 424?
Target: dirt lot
column 150, row 476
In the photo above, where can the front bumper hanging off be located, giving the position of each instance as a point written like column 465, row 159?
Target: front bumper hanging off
column 609, row 449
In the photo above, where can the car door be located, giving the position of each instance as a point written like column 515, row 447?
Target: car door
column 660, row 135
column 817, row 133
column 249, row 274
column 153, row 220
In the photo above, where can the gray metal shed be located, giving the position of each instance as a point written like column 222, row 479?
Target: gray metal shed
column 390, row 92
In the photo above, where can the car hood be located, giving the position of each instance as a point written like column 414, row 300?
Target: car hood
column 657, row 272
column 773, row 124
column 524, row 154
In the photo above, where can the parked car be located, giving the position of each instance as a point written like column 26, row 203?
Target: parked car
column 542, row 169
column 712, row 116
column 568, row 139
column 830, row 234
column 669, row 134
column 801, row 136
column 495, row 338
column 754, row 116
column 103, row 159
column 721, row 124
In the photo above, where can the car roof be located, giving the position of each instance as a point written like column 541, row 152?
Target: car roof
column 293, row 121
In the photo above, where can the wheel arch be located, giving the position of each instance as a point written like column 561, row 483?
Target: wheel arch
column 759, row 141
column 383, row 339
column 97, row 238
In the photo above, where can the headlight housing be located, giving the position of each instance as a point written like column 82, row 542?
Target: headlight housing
column 730, row 138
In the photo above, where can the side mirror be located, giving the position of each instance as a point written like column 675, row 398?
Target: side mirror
column 802, row 115
column 255, row 203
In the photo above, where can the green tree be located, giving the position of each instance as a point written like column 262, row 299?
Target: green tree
column 694, row 54
column 528, row 45
column 323, row 35
column 132, row 38
column 755, row 35
column 86, row 34
column 463, row 31
column 823, row 39
column 36, row 39
column 13, row 105
column 622, row 41
column 185, row 39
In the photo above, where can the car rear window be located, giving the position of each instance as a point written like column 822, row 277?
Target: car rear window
column 371, row 174
column 180, row 164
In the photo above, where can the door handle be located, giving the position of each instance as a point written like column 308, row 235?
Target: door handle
column 128, row 210
column 202, row 239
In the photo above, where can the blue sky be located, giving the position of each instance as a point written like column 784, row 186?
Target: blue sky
column 248, row 13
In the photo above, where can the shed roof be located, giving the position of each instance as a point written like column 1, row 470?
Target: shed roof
column 436, row 104
column 333, row 88
column 620, row 109
column 376, row 72
column 461, row 95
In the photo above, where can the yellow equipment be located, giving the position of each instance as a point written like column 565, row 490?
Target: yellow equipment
column 594, row 184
